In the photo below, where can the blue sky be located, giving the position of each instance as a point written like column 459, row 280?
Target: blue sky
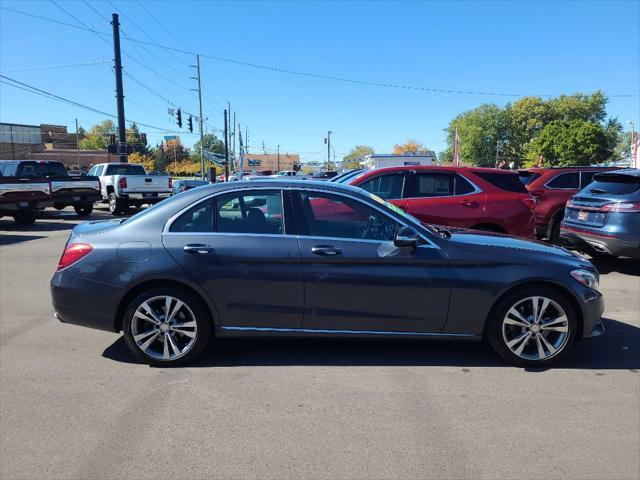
column 519, row 48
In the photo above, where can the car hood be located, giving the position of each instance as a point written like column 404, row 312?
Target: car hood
column 477, row 240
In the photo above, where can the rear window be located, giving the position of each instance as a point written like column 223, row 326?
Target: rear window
column 44, row 169
column 125, row 170
column 527, row 177
column 504, row 181
column 613, row 184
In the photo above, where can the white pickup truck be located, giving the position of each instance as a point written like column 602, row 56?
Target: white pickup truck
column 127, row 184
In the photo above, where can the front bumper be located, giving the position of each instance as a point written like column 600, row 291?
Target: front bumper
column 81, row 301
column 579, row 237
column 592, row 306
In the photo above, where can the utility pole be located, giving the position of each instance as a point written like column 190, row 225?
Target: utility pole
column 278, row 157
column 234, row 139
column 328, row 150
column 230, row 132
column 246, row 139
column 226, row 148
column 199, row 90
column 122, row 133
column 77, row 145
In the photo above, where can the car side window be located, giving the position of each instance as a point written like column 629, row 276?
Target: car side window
column 569, row 180
column 586, row 178
column 462, row 186
column 385, row 186
column 434, row 185
column 250, row 212
column 335, row 216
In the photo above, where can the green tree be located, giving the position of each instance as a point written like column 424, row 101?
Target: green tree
column 356, row 155
column 411, row 146
column 622, row 149
column 134, row 139
column 567, row 143
column 97, row 137
column 210, row 143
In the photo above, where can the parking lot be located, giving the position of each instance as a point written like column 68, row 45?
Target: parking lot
column 74, row 403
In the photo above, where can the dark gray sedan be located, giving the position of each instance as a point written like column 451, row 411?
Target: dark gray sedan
column 317, row 258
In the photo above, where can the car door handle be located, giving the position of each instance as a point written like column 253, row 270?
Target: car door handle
column 468, row 203
column 198, row 249
column 326, row 250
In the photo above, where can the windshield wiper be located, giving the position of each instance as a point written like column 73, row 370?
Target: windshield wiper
column 598, row 190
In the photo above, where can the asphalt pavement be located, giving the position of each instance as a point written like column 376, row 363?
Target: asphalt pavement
column 74, row 404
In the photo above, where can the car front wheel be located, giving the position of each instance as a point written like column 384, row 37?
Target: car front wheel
column 166, row 327
column 532, row 327
column 83, row 210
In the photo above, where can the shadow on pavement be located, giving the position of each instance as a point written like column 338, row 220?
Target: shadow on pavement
column 626, row 266
column 617, row 349
column 11, row 239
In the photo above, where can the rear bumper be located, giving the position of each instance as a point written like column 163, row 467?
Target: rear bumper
column 70, row 198
column 80, row 301
column 142, row 198
column 580, row 237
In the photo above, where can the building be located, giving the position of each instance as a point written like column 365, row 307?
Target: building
column 47, row 142
column 270, row 161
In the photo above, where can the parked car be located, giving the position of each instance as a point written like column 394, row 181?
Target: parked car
column 66, row 190
column 479, row 198
column 605, row 215
column 260, row 258
column 551, row 188
column 127, row 184
column 184, row 185
column 345, row 176
column 23, row 197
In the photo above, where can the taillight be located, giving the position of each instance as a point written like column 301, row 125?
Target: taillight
column 529, row 202
column 123, row 183
column 170, row 182
column 72, row 253
column 538, row 195
column 622, row 207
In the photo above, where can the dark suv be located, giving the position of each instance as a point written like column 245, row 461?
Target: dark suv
column 551, row 188
column 605, row 216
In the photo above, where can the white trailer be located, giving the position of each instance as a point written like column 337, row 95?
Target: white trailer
column 390, row 160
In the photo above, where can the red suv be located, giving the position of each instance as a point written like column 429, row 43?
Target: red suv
column 551, row 188
column 466, row 197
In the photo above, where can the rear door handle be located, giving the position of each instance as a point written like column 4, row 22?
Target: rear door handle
column 198, row 249
column 326, row 250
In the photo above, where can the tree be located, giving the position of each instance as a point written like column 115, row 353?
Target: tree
column 356, row 155
column 411, row 146
column 567, row 143
column 134, row 139
column 97, row 137
column 143, row 159
column 622, row 149
column 210, row 143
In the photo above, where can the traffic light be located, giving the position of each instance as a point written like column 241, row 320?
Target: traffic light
column 190, row 124
column 112, row 138
column 179, row 118
column 143, row 138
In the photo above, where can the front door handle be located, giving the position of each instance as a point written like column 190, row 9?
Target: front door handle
column 326, row 250
column 198, row 249
column 468, row 203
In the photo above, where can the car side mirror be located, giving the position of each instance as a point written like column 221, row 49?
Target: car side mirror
column 406, row 237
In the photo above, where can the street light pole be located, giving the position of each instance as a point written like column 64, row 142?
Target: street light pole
column 278, row 158
column 328, row 150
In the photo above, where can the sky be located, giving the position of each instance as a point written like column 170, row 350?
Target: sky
column 495, row 52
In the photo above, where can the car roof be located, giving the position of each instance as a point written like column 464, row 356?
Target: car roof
column 563, row 169
column 284, row 183
column 632, row 172
column 449, row 168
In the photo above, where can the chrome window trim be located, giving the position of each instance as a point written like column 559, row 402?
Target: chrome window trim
column 476, row 188
column 356, row 332
column 546, row 185
column 167, row 225
column 431, row 244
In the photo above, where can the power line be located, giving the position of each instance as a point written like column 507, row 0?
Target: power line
column 53, row 67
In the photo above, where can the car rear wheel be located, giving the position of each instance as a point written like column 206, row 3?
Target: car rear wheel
column 166, row 327
column 116, row 206
column 532, row 327
column 83, row 210
column 24, row 217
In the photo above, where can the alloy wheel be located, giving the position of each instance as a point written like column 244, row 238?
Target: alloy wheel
column 535, row 328
column 164, row 328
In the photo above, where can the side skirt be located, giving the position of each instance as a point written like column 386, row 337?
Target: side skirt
column 250, row 331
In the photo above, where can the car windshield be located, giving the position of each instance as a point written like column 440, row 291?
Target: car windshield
column 350, row 176
column 614, row 184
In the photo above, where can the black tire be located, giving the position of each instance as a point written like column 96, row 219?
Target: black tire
column 494, row 330
column 23, row 217
column 116, row 205
column 194, row 306
column 58, row 207
column 83, row 210
column 554, row 229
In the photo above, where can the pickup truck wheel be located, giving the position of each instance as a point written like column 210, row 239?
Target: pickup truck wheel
column 83, row 210
column 24, row 217
column 115, row 204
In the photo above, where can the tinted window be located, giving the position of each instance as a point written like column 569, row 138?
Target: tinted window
column 462, row 185
column 508, row 182
column 329, row 215
column 41, row 169
column 385, row 186
column 586, row 178
column 246, row 212
column 527, row 177
column 434, row 185
column 565, row 180
column 613, row 184
column 125, row 170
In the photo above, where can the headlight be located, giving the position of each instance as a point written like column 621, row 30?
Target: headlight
column 586, row 278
